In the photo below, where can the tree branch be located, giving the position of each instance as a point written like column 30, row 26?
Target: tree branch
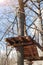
column 34, row 4
column 31, row 9
column 25, row 1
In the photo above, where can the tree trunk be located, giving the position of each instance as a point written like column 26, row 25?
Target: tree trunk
column 40, row 24
column 21, row 31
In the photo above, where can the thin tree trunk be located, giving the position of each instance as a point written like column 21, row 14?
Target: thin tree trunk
column 40, row 21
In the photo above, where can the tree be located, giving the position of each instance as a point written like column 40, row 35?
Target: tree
column 21, row 31
column 22, row 19
column 27, row 13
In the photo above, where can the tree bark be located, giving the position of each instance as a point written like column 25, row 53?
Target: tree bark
column 40, row 22
column 21, row 21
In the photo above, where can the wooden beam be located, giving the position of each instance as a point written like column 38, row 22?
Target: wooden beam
column 33, row 59
column 23, row 41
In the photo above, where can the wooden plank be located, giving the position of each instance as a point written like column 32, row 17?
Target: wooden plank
column 14, row 40
column 34, row 59
column 30, row 50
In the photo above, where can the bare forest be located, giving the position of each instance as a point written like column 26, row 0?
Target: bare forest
column 20, row 18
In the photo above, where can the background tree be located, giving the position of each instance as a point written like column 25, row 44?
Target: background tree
column 29, row 15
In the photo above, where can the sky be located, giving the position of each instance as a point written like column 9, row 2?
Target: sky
column 7, row 15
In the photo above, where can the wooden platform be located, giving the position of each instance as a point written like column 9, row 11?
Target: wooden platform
column 29, row 45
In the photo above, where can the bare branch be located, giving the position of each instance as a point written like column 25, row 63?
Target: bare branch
column 34, row 4
column 32, row 10
column 9, row 52
column 25, row 1
column 31, row 23
column 7, row 30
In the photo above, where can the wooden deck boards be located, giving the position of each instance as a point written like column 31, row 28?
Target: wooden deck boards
column 29, row 45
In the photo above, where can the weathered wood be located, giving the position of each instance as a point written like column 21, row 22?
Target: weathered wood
column 22, row 41
column 33, row 59
column 29, row 45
